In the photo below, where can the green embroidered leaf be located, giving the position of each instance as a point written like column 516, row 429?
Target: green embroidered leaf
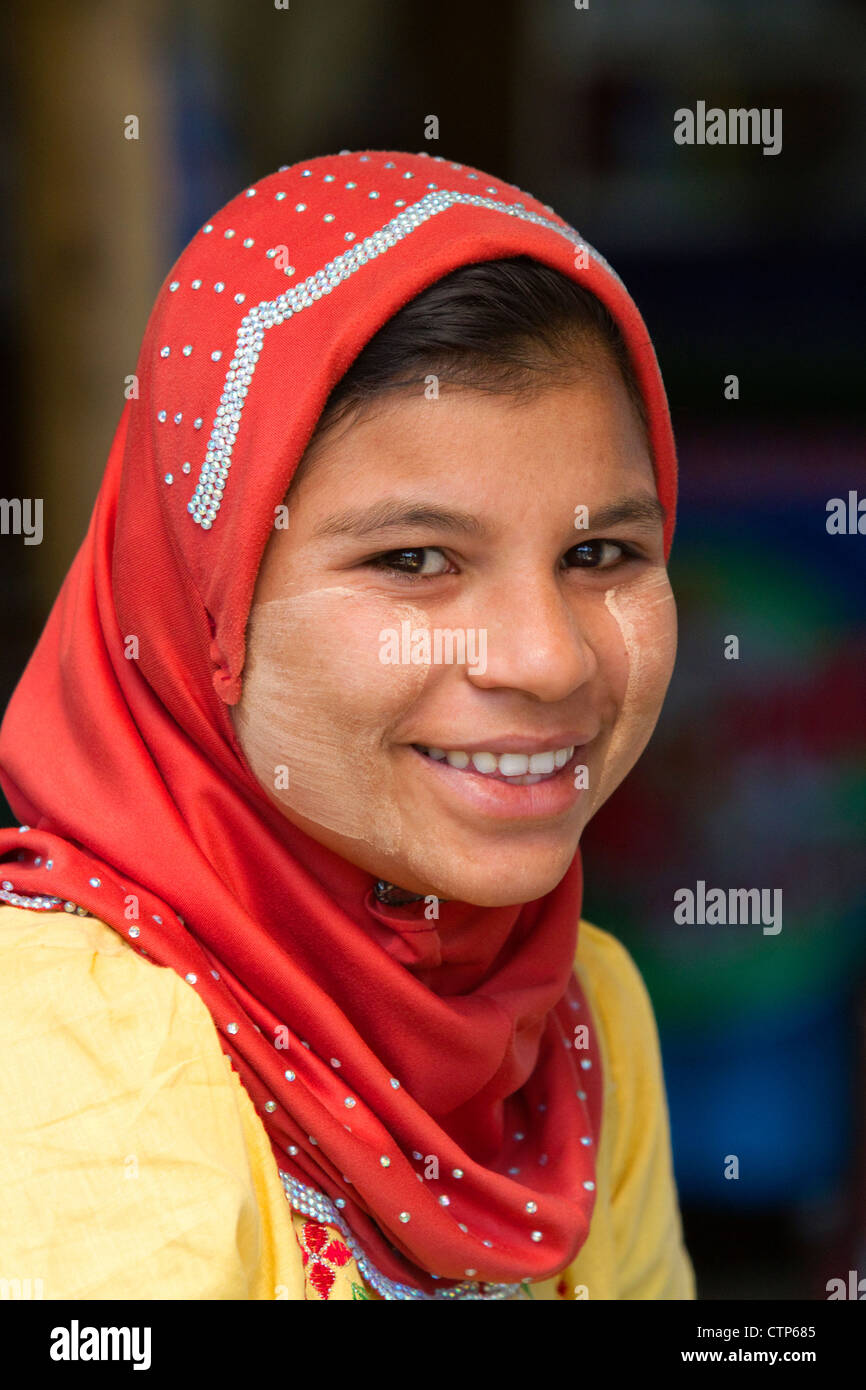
column 527, row 1290
column 359, row 1292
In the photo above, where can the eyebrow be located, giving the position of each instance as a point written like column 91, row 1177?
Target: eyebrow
column 644, row 510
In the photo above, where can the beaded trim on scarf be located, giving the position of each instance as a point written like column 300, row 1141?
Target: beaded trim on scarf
column 208, row 495
column 311, row 1202
column 41, row 902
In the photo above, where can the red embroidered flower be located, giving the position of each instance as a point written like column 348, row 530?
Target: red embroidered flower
column 338, row 1253
column 315, row 1236
column 321, row 1279
column 322, row 1255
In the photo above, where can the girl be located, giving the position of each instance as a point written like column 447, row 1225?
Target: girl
column 372, row 615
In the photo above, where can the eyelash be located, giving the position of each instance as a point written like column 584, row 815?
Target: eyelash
column 377, row 562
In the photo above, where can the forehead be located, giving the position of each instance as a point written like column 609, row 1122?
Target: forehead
column 473, row 440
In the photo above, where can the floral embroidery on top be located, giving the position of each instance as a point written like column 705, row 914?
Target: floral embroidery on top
column 323, row 1254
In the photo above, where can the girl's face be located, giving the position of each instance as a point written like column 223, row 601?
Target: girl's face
column 477, row 575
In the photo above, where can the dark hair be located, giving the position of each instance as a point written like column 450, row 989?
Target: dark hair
column 509, row 327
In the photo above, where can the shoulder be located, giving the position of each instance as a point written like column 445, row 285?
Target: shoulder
column 628, row 1036
column 602, row 955
column 651, row 1258
column 125, row 1153
column 615, row 989
column 63, row 976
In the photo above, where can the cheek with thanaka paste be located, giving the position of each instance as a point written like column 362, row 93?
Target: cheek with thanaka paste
column 645, row 614
column 318, row 704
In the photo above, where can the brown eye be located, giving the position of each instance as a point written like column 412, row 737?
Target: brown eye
column 598, row 554
column 411, row 563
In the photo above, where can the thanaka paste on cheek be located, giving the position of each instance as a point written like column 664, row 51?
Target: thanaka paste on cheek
column 645, row 614
column 318, row 704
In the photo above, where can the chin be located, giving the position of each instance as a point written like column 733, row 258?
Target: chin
column 500, row 884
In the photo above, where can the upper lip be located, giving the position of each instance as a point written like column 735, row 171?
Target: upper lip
column 515, row 743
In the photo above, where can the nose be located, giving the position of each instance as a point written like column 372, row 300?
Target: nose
column 538, row 638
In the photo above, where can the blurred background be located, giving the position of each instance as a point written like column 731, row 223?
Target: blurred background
column 743, row 264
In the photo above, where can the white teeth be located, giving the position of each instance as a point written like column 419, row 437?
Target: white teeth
column 522, row 765
column 541, row 762
column 513, row 764
column 484, row 762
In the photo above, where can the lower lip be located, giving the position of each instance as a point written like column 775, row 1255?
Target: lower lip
column 490, row 796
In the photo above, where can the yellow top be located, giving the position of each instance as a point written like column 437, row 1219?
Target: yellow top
column 133, row 1164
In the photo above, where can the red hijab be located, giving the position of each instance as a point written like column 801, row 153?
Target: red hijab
column 422, row 1082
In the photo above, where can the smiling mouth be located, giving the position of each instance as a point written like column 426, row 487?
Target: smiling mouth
column 516, row 769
